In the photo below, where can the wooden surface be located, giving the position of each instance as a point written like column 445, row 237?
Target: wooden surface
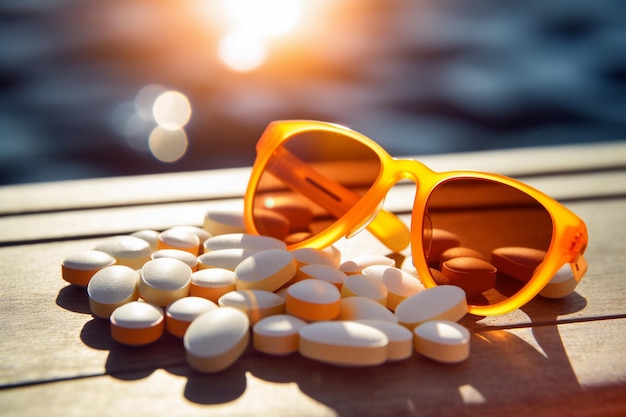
column 564, row 357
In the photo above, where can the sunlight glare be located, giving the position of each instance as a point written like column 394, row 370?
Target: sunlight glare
column 263, row 17
column 242, row 51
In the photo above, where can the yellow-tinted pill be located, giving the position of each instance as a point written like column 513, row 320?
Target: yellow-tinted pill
column 212, row 283
column 242, row 241
column 110, row 288
column 360, row 285
column 277, row 335
column 220, row 222
column 517, row 262
column 180, row 314
column 127, row 250
column 472, row 274
column 216, row 339
column 257, row 304
column 265, row 270
column 442, row 341
column 164, row 281
column 180, row 239
column 137, row 323
column 400, row 284
column 446, row 302
column 78, row 268
column 313, row 300
column 400, row 346
column 362, row 308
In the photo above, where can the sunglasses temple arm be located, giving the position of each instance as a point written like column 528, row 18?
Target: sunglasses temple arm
column 337, row 199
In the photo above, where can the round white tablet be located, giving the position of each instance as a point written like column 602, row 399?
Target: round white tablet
column 187, row 257
column 277, row 335
column 164, row 281
column 400, row 338
column 359, row 263
column 359, row 285
column 257, row 304
column 361, row 308
column 110, row 288
column 78, row 268
column 219, row 222
column 137, row 323
column 127, row 250
column 322, row 272
column 224, row 258
column 561, row 285
column 445, row 302
column 265, row 270
column 202, row 234
column 212, row 283
column 216, row 339
column 344, row 343
column 442, row 340
column 313, row 300
column 180, row 239
column 400, row 284
column 150, row 236
column 183, row 311
column 243, row 241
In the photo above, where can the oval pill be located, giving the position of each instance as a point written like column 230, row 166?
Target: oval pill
column 202, row 234
column 224, row 258
column 322, row 272
column 343, row 343
column 220, row 222
column 359, row 263
column 517, row 262
column 361, row 308
column 458, row 252
column 127, row 250
column 442, row 341
column 257, row 304
column 164, row 280
column 277, row 335
column 110, row 288
column 399, row 284
column 137, row 323
column 180, row 314
column 313, row 256
column 271, row 223
column 445, row 302
column 150, row 236
column 441, row 240
column 184, row 256
column 216, row 339
column 242, row 241
column 265, row 270
column 313, row 300
column 78, row 268
column 180, row 239
column 400, row 345
column 360, row 285
column 472, row 274
column 212, row 283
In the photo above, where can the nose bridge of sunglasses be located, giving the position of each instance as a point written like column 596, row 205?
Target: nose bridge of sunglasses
column 337, row 199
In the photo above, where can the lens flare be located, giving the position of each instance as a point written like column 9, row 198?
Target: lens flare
column 168, row 145
column 242, row 51
column 263, row 17
column 171, row 110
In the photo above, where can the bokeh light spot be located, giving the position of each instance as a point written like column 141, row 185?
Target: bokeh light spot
column 171, row 110
column 242, row 51
column 145, row 98
column 168, row 145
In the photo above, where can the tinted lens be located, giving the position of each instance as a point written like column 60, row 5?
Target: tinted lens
column 313, row 179
column 485, row 237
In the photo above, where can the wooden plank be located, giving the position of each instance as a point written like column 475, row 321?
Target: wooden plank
column 126, row 219
column 208, row 185
column 569, row 369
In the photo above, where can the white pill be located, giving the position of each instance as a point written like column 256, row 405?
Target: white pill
column 212, row 283
column 179, row 238
column 361, row 308
column 561, row 285
column 265, row 270
column 359, row 263
column 150, row 236
column 344, row 343
column 399, row 284
column 216, row 339
column 408, row 266
column 257, row 304
column 442, row 341
column 313, row 300
column 110, row 288
column 334, row 253
column 313, row 256
column 202, row 234
column 220, row 222
column 78, row 268
column 242, row 241
column 277, row 335
column 180, row 314
column 445, row 302
column 137, row 323
column 164, row 281
column 224, row 258
column 322, row 272
column 360, row 285
column 400, row 346
column 127, row 250
column 184, row 256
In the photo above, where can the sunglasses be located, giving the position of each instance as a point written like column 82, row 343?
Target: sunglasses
column 313, row 183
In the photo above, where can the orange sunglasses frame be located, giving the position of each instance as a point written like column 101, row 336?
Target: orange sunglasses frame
column 569, row 234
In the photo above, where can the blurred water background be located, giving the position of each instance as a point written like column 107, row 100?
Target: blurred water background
column 119, row 87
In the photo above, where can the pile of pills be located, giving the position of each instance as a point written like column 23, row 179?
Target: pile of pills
column 220, row 289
